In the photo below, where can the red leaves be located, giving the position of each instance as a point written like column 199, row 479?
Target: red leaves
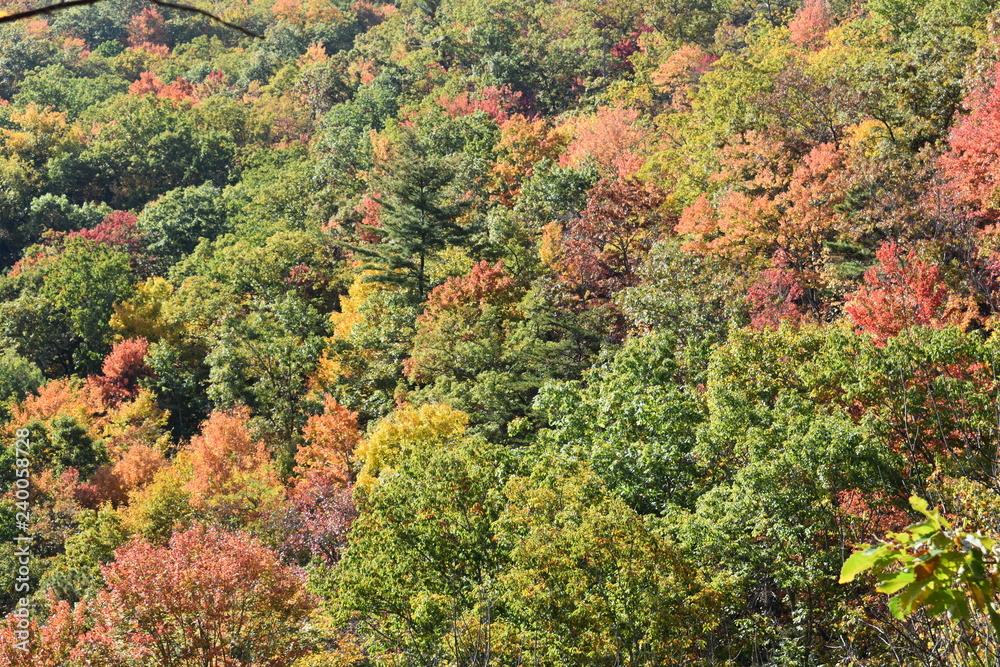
column 485, row 283
column 147, row 29
column 898, row 293
column 319, row 520
column 972, row 165
column 603, row 249
column 810, row 24
column 150, row 84
column 118, row 230
column 124, row 366
column 775, row 296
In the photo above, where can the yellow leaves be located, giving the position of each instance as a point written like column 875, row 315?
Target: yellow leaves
column 41, row 134
column 522, row 143
column 315, row 55
column 330, row 366
column 135, row 422
column 307, row 12
column 350, row 306
column 406, row 430
column 145, row 313
column 550, row 247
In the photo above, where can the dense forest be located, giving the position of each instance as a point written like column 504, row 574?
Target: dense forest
column 469, row 333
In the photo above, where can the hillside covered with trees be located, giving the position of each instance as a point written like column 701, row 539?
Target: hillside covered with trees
column 473, row 333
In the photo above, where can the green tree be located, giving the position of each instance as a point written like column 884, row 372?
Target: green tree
column 421, row 206
column 592, row 583
column 263, row 359
column 419, row 572
column 177, row 221
column 634, row 421
column 18, row 377
column 83, row 283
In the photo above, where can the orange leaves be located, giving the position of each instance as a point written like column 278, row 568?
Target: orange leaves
column 485, row 283
column 224, row 458
column 770, row 206
column 301, row 13
column 150, row 84
column 228, row 585
column 137, row 467
column 331, row 438
column 676, row 78
column 497, row 102
column 612, row 138
column 522, row 144
column 464, row 323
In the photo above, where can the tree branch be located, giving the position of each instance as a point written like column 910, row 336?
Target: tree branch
column 48, row 9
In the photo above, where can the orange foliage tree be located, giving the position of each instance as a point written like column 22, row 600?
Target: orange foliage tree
column 612, row 139
column 210, row 597
column 232, row 474
column 523, row 143
column 330, row 441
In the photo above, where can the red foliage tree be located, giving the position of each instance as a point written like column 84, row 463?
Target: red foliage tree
column 318, row 521
column 605, row 246
column 775, row 296
column 211, row 597
column 972, row 164
column 122, row 370
column 118, row 230
column 466, row 317
column 898, row 293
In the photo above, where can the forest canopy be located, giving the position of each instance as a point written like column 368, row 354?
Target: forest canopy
column 465, row 333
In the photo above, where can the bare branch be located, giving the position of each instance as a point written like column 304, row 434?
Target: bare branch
column 48, row 9
column 196, row 10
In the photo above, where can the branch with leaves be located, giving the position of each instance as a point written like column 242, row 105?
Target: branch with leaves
column 66, row 4
column 932, row 566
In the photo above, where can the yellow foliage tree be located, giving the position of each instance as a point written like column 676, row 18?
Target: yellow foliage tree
column 403, row 431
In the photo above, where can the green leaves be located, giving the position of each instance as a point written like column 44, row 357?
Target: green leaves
column 932, row 567
column 858, row 562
